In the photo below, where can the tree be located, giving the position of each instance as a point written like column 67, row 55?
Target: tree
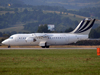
column 0, row 34
column 69, row 30
column 93, row 34
column 43, row 28
column 16, row 10
column 25, row 11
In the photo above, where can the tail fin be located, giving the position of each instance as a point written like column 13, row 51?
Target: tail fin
column 84, row 26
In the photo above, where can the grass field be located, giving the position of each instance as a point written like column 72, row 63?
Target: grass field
column 49, row 62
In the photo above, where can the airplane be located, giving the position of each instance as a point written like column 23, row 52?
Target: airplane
column 81, row 32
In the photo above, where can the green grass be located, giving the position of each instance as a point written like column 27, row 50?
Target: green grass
column 49, row 62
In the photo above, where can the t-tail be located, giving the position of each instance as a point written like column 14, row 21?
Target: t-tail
column 84, row 26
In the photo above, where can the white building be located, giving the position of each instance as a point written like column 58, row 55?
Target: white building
column 51, row 27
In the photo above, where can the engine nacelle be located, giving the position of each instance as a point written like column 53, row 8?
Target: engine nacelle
column 30, row 39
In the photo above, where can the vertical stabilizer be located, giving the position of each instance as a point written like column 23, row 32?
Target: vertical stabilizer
column 84, row 26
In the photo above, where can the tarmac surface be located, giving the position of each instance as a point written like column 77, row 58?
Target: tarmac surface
column 41, row 48
column 72, row 47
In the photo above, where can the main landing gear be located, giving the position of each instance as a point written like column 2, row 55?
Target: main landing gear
column 9, row 46
column 45, row 46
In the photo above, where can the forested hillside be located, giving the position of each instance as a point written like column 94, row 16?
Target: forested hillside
column 6, row 2
column 88, row 12
column 30, row 17
column 36, row 15
column 69, row 4
column 34, row 18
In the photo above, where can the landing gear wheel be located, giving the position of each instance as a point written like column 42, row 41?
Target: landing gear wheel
column 43, row 46
column 47, row 46
column 9, row 46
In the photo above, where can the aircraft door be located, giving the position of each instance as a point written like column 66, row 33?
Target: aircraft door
column 16, row 39
column 67, row 39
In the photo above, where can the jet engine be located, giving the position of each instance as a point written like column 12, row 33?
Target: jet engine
column 30, row 39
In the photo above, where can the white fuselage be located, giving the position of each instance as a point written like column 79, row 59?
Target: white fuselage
column 50, row 38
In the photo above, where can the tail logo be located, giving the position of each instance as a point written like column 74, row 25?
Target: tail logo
column 84, row 25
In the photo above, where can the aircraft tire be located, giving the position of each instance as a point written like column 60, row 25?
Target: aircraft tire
column 43, row 46
column 47, row 46
column 9, row 46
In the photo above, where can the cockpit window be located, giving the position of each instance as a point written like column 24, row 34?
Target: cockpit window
column 10, row 37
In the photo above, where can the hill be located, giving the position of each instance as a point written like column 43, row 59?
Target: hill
column 69, row 4
column 6, row 2
column 28, row 19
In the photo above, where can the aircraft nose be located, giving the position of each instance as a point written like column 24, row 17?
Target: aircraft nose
column 5, row 42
